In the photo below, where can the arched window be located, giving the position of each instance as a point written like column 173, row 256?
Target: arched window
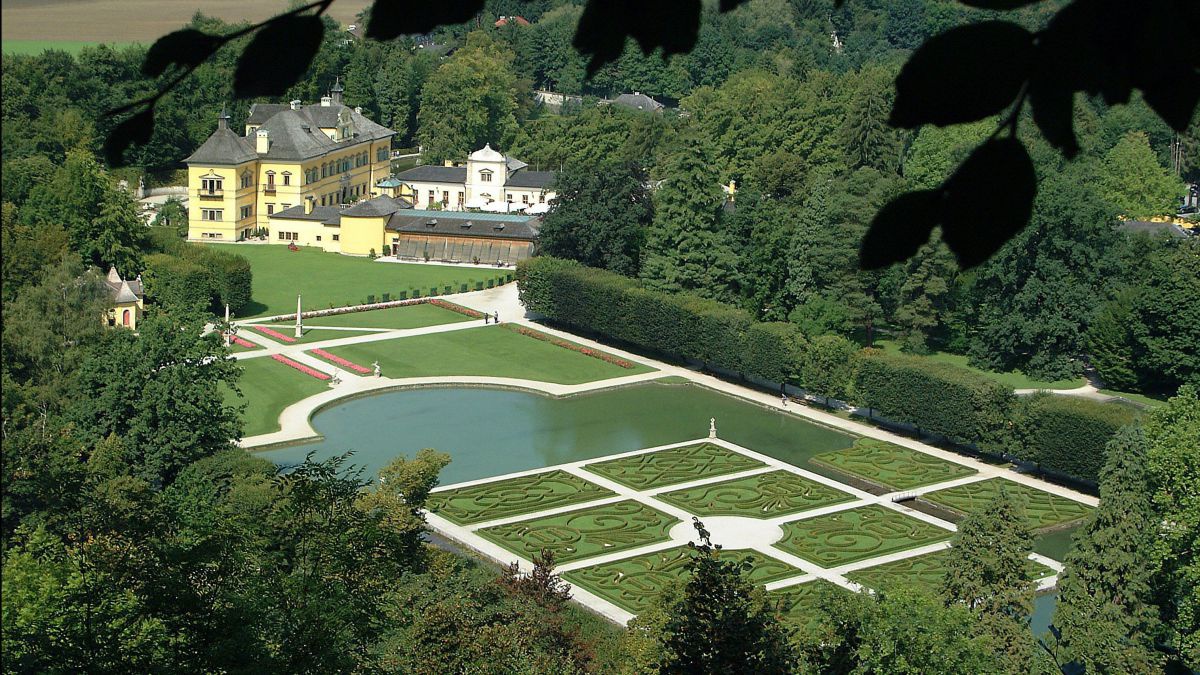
column 125, row 318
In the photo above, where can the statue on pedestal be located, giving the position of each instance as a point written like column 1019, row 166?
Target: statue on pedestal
column 712, row 427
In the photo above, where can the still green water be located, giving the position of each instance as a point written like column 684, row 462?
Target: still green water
column 490, row 432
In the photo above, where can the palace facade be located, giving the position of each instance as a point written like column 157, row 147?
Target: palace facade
column 487, row 177
column 290, row 153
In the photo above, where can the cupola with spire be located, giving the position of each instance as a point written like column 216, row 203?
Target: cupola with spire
column 335, row 94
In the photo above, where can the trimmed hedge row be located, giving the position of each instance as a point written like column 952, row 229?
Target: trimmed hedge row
column 216, row 277
column 1063, row 432
column 953, row 402
column 1058, row 433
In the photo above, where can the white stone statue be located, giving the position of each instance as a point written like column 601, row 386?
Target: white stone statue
column 378, row 371
column 712, row 427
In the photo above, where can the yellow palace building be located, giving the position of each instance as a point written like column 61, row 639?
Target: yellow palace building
column 291, row 153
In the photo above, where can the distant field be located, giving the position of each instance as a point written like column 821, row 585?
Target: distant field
column 126, row 21
column 33, row 47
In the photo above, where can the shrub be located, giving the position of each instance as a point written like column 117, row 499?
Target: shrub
column 953, row 402
column 827, row 367
column 171, row 281
column 773, row 351
column 1068, row 434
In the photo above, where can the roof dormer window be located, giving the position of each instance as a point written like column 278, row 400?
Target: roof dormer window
column 485, row 175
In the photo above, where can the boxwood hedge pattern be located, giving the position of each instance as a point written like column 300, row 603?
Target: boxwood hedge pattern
column 514, row 497
column 588, row 532
column 923, row 571
column 845, row 537
column 892, row 466
column 634, row 583
column 765, row 495
column 1042, row 509
column 796, row 605
column 673, row 466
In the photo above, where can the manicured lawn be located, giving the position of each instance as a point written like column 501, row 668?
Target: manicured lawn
column 1141, row 399
column 676, row 465
column 850, row 536
column 412, row 316
column 268, row 387
column 514, row 497
column 1042, row 509
column 891, row 465
column 1013, row 380
column 334, row 280
column 924, row 571
column 490, row 351
column 309, row 334
column 766, row 495
column 634, row 583
column 588, row 532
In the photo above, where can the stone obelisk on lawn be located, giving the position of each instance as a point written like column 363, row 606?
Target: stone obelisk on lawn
column 228, row 328
column 299, row 326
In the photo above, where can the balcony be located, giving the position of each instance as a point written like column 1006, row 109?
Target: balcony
column 269, row 189
column 211, row 194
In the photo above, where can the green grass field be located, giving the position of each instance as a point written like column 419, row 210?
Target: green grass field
column 514, row 497
column 317, row 334
column 891, row 465
column 35, row 47
column 765, row 495
column 857, row 534
column 268, row 387
column 588, row 532
column 634, row 583
column 412, row 316
column 330, row 279
column 487, row 351
column 1013, row 380
column 676, row 465
column 1140, row 399
column 1042, row 509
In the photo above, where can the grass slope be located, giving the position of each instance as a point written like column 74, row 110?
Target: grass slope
column 268, row 387
column 330, row 279
column 1013, row 380
column 487, row 351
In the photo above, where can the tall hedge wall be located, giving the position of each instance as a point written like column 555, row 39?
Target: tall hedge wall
column 1068, row 434
column 937, row 397
column 226, row 277
column 1062, row 434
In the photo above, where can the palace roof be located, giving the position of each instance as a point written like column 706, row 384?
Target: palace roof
column 465, row 224
column 434, row 174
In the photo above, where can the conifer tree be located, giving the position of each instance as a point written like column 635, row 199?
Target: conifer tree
column 987, row 572
column 1105, row 614
column 687, row 249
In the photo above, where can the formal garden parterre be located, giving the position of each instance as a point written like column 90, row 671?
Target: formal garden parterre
column 891, row 466
column 1042, row 509
column 621, row 547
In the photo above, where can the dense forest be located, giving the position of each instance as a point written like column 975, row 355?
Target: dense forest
column 137, row 536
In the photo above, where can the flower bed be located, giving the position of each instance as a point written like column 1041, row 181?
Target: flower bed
column 467, row 311
column 337, row 360
column 300, row 367
column 586, row 351
column 243, row 342
column 272, row 333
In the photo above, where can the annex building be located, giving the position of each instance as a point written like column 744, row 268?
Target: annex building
column 389, row 225
column 324, row 152
column 489, row 180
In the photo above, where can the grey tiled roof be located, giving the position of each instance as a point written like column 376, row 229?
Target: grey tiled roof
column 460, row 224
column 638, row 101
column 223, row 147
column 329, row 215
column 435, row 174
column 294, row 134
column 531, row 179
column 379, row 206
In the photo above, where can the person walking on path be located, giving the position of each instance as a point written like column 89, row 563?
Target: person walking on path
column 497, row 317
column 783, row 399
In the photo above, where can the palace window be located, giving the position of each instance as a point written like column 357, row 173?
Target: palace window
column 381, row 154
column 542, row 198
column 247, row 179
column 324, row 170
column 524, row 199
column 245, row 212
column 431, row 197
column 270, row 186
column 460, row 198
column 485, row 175
column 211, row 214
column 287, row 178
column 509, row 198
column 335, row 237
column 289, row 236
column 211, row 185
column 445, row 196
column 270, row 209
column 318, row 237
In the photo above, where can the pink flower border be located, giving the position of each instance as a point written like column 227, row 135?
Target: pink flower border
column 300, row 367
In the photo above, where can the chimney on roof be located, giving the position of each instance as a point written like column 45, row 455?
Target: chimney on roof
column 308, row 204
column 336, row 92
column 223, row 119
column 326, row 101
column 295, row 104
column 262, row 141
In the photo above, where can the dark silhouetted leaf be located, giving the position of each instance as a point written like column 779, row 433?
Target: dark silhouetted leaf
column 278, row 56
column 1165, row 70
column 963, row 75
column 1175, row 102
column 900, row 228
column 1054, row 113
column 730, row 5
column 988, row 200
column 392, row 18
column 998, row 4
column 135, row 130
column 185, row 48
column 605, row 24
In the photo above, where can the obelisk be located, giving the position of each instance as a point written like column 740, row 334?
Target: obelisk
column 228, row 328
column 299, row 326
